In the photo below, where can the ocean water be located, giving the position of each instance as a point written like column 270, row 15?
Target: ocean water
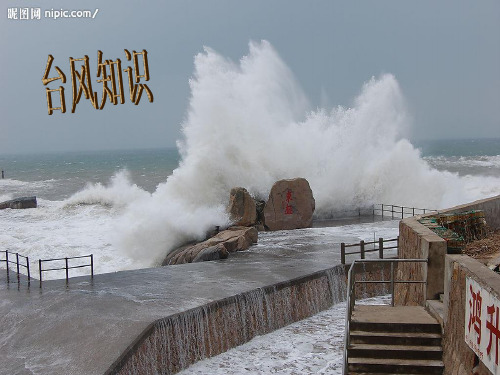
column 310, row 346
column 248, row 123
column 83, row 198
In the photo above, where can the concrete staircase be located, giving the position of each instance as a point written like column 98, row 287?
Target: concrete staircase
column 394, row 340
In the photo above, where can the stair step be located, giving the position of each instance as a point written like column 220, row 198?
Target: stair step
column 395, row 338
column 397, row 366
column 398, row 327
column 395, row 351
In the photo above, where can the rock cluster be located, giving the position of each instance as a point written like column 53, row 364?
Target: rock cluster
column 242, row 208
column 216, row 247
column 19, row 203
column 290, row 206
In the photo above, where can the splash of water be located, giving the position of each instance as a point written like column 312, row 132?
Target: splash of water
column 119, row 193
column 249, row 124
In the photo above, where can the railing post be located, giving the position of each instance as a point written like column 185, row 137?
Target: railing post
column 382, row 210
column 342, row 253
column 28, row 269
column 7, row 263
column 392, row 211
column 67, row 271
column 92, row 265
column 402, row 212
column 40, row 268
column 413, row 211
column 352, row 287
column 392, row 283
column 381, row 248
column 362, row 246
column 17, row 267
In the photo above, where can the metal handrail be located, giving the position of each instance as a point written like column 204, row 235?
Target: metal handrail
column 351, row 293
column 362, row 245
column 7, row 261
column 66, row 266
column 400, row 210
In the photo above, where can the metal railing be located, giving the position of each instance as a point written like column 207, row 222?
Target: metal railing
column 66, row 265
column 399, row 211
column 17, row 263
column 351, row 293
column 362, row 248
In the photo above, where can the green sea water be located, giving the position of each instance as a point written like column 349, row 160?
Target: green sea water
column 67, row 173
column 56, row 176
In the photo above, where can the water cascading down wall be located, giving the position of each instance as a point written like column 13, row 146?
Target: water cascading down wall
column 171, row 344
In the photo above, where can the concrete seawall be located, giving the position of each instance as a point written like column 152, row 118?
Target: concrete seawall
column 419, row 242
column 175, row 342
column 160, row 320
column 446, row 275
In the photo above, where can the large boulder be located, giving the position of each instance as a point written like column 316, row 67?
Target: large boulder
column 217, row 247
column 241, row 207
column 19, row 203
column 290, row 205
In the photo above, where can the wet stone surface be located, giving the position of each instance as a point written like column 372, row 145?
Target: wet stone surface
column 83, row 327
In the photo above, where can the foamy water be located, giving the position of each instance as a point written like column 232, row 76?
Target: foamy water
column 249, row 124
column 310, row 346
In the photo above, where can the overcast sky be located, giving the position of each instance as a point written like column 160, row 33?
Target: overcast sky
column 444, row 54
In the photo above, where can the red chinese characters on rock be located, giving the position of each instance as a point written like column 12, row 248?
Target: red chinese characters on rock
column 110, row 76
column 288, row 207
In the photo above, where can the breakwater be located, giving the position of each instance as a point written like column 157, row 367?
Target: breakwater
column 173, row 343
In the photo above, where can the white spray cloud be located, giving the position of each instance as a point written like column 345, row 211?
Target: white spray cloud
column 119, row 193
column 249, row 124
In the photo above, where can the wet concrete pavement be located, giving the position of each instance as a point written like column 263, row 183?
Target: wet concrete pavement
column 83, row 327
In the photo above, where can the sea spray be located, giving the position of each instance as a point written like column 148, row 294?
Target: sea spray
column 249, row 124
column 119, row 193
column 5, row 197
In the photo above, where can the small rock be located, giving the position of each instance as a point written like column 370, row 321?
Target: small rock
column 19, row 203
column 241, row 207
column 216, row 252
column 228, row 241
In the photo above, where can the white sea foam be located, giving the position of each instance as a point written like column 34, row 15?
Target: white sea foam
column 249, row 124
column 120, row 192
column 56, row 230
column 5, row 197
column 12, row 188
column 311, row 346
column 465, row 161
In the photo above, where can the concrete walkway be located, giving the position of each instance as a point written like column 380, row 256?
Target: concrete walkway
column 83, row 327
column 394, row 315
